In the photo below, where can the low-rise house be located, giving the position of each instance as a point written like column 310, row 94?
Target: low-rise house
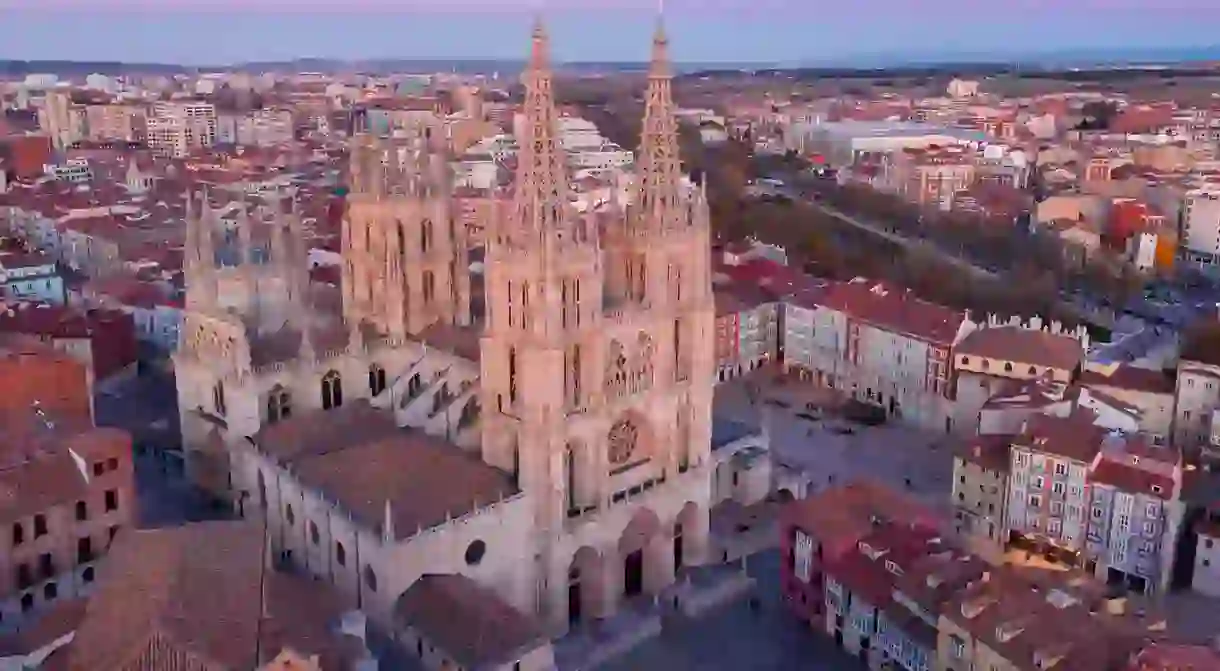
column 69, row 489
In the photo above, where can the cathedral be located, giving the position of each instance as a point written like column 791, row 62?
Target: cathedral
column 537, row 432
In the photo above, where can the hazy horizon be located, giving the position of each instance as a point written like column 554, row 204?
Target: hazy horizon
column 763, row 31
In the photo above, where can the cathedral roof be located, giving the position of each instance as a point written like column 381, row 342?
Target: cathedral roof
column 356, row 457
column 158, row 604
column 470, row 623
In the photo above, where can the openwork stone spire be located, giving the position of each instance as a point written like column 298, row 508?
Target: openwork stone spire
column 542, row 183
column 658, row 206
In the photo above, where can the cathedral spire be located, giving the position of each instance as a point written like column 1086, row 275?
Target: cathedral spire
column 660, row 176
column 542, row 183
column 200, row 253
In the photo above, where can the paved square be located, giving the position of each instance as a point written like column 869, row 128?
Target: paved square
column 738, row 638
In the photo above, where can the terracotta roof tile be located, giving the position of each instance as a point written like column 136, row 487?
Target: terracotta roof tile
column 1024, row 346
column 468, row 622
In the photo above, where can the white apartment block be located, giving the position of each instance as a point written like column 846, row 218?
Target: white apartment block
column 1197, row 399
column 177, row 128
column 1200, row 240
column 266, row 127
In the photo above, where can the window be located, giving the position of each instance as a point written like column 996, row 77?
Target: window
column 1057, row 487
column 1061, row 468
column 50, row 591
column 332, row 390
column 99, row 468
column 218, row 398
column 279, row 404
column 24, row 577
column 1040, row 482
column 340, row 554
column 289, row 515
column 87, row 574
column 958, row 647
column 82, row 511
column 475, row 552
column 314, row 536
column 112, row 464
column 84, row 550
column 1153, row 510
column 1008, row 368
column 377, row 383
column 46, row 565
column 1035, row 501
column 370, row 578
column 40, row 526
column 27, row 602
column 112, row 500
column 18, row 534
column 429, row 287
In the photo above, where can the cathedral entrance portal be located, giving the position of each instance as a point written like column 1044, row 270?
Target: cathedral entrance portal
column 633, row 574
column 643, row 552
column 585, row 585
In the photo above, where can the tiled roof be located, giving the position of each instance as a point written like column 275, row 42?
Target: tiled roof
column 470, row 623
column 356, row 456
column 1024, row 346
column 200, row 596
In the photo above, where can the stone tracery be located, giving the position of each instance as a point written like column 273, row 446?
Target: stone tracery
column 623, row 441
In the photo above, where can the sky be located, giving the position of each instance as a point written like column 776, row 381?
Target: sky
column 197, row 32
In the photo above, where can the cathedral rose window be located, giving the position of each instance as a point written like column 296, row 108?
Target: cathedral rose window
column 623, row 439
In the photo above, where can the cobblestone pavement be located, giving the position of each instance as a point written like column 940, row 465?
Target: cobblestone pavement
column 738, row 638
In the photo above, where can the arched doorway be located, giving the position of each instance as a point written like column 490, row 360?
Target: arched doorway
column 684, row 529
column 632, row 545
column 584, row 578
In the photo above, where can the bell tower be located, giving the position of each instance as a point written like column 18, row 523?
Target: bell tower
column 543, row 284
column 406, row 264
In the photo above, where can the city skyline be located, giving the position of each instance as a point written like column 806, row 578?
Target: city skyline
column 765, row 31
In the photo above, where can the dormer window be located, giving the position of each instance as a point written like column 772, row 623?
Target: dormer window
column 1156, row 489
column 893, row 567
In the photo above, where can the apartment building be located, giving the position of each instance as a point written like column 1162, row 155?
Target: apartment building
column 174, row 129
column 747, row 320
column 1149, row 391
column 115, row 123
column 1205, row 579
column 1048, row 484
column 878, row 344
column 71, row 490
column 980, row 494
column 1135, row 513
column 1197, row 399
column 1200, row 232
column 61, row 120
column 31, row 275
column 264, row 127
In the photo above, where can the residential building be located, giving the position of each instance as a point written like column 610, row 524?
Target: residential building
column 980, row 494
column 103, row 339
column 988, row 359
column 111, row 123
column 62, row 121
column 747, row 321
column 1150, row 391
column 72, row 489
column 174, row 129
column 1205, row 578
column 1196, row 401
column 1005, row 621
column 31, row 276
column 1048, row 497
column 860, row 592
column 820, row 529
column 879, row 345
column 1135, row 513
column 1200, row 230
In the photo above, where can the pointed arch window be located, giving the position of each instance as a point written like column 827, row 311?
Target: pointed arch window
column 377, row 383
column 512, row 376
column 332, row 390
column 218, row 398
column 425, row 236
column 429, row 287
column 279, row 404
